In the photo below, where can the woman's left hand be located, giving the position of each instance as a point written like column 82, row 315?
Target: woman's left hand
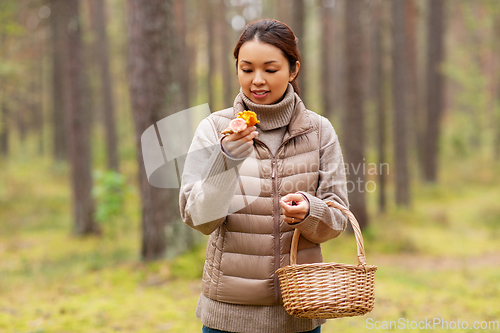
column 293, row 214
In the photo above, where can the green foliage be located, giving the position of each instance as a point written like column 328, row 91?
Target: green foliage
column 474, row 107
column 8, row 18
column 189, row 265
column 109, row 191
column 471, row 118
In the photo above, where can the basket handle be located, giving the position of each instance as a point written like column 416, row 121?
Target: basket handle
column 355, row 227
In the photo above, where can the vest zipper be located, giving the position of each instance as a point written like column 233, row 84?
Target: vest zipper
column 276, row 214
column 276, row 230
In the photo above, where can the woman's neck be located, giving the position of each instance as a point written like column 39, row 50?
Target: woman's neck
column 275, row 115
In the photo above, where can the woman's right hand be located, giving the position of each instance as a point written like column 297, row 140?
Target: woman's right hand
column 240, row 144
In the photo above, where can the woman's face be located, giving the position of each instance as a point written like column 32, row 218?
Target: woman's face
column 263, row 72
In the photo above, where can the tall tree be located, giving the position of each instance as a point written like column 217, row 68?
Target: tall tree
column 78, row 123
column 283, row 11
column 183, row 54
column 179, row 237
column 227, row 65
column 339, row 68
column 411, row 80
column 298, row 18
column 148, row 24
column 435, row 90
column 21, row 116
column 40, row 115
column 354, row 119
column 36, row 87
column 497, row 138
column 4, row 113
column 380, row 84
column 209, row 10
column 101, row 47
column 327, row 56
column 4, row 127
column 58, row 22
column 399, row 75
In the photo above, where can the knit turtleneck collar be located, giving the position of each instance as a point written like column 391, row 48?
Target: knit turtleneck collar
column 272, row 116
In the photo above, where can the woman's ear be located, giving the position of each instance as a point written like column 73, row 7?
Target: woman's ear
column 295, row 72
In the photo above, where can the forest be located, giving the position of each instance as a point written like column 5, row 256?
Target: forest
column 88, row 243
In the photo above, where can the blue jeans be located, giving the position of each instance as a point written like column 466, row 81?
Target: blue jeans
column 211, row 330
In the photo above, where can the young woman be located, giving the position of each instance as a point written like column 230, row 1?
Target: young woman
column 249, row 190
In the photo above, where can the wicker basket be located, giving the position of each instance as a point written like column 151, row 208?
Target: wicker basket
column 328, row 290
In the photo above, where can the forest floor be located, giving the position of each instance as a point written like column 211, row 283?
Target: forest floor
column 438, row 260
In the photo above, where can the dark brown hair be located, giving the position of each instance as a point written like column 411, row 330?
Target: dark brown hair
column 277, row 34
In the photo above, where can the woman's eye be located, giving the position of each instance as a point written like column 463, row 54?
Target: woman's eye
column 246, row 70
column 271, row 71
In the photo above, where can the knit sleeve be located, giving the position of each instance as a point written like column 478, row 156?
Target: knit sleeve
column 208, row 181
column 322, row 222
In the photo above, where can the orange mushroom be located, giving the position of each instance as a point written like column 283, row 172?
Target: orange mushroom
column 250, row 118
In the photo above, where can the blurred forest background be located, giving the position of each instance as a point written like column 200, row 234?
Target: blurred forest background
column 412, row 87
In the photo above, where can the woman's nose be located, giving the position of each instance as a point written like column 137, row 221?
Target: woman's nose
column 259, row 80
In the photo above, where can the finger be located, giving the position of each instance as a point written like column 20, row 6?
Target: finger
column 297, row 197
column 295, row 215
column 292, row 220
column 291, row 209
column 245, row 138
column 242, row 134
column 233, row 145
column 250, row 136
column 243, row 150
column 302, row 208
column 293, row 199
column 237, row 146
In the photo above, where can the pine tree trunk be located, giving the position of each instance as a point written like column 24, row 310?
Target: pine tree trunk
column 193, row 19
column 284, row 11
column 180, row 20
column 211, row 54
column 399, row 102
column 4, row 126
column 179, row 237
column 78, row 124
column 298, row 17
column 148, row 63
column 380, row 79
column 226, row 52
column 435, row 50
column 339, row 68
column 21, row 119
column 496, row 147
column 327, row 58
column 353, row 142
column 58, row 23
column 101, row 45
column 497, row 138
column 40, row 116
column 411, row 87
column 36, row 93
column 420, row 116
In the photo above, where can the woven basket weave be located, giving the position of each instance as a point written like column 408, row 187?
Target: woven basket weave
column 328, row 290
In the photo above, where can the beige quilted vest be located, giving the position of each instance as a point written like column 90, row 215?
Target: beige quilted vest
column 252, row 243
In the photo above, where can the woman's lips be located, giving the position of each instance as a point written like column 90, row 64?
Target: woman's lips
column 260, row 95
